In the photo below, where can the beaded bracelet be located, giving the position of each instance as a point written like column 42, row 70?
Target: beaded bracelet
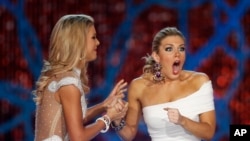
column 120, row 126
column 107, row 121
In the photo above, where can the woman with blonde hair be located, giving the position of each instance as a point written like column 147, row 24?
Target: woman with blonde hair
column 61, row 112
column 176, row 104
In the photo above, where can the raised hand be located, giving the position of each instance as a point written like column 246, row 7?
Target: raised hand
column 118, row 110
column 116, row 93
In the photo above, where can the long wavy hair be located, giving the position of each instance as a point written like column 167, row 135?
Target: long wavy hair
column 67, row 47
column 159, row 36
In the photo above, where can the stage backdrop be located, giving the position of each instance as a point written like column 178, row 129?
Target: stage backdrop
column 218, row 43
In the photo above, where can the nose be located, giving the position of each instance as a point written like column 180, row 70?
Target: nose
column 177, row 53
column 97, row 42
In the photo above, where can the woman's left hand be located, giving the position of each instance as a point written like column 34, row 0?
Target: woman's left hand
column 116, row 93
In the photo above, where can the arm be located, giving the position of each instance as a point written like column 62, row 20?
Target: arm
column 205, row 127
column 129, row 131
column 100, row 108
column 94, row 111
column 70, row 98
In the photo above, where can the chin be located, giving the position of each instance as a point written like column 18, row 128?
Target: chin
column 92, row 59
column 175, row 76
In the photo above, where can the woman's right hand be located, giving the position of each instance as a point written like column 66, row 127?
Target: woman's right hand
column 119, row 110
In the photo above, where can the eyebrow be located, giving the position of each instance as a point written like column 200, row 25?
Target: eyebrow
column 172, row 44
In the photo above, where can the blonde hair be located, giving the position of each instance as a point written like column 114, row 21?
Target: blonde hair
column 67, row 46
column 159, row 36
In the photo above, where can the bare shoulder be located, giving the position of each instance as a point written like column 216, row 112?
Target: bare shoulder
column 201, row 77
column 137, row 83
column 196, row 78
column 137, row 86
column 67, row 92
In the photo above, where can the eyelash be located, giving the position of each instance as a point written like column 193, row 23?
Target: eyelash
column 180, row 49
column 168, row 48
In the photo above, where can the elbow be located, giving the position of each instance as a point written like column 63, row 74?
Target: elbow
column 209, row 136
column 130, row 138
column 77, row 136
column 126, row 137
column 209, row 132
column 127, row 134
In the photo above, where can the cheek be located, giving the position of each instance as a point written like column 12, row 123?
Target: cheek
column 166, row 58
column 87, row 52
column 183, row 56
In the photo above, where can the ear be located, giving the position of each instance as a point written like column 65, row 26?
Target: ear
column 155, row 56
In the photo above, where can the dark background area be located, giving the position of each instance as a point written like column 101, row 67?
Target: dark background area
column 218, row 43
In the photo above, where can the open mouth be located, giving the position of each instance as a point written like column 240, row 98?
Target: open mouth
column 176, row 67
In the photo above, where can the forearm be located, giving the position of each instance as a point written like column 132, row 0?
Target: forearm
column 126, row 133
column 200, row 129
column 88, row 132
column 123, row 130
column 94, row 111
column 93, row 129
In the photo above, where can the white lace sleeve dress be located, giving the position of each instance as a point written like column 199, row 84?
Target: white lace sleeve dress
column 158, row 125
column 50, row 124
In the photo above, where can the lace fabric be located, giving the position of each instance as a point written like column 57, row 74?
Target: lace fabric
column 50, row 124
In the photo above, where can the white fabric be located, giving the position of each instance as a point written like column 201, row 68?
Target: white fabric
column 53, row 138
column 159, row 127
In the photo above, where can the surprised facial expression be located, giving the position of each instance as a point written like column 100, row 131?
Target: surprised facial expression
column 171, row 55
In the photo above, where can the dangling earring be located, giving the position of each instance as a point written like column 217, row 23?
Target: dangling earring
column 157, row 73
